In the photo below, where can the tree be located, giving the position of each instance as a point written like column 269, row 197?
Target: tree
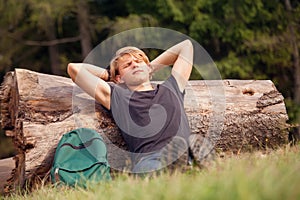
column 12, row 15
column 292, row 28
column 35, row 27
column 84, row 27
column 44, row 15
column 248, row 39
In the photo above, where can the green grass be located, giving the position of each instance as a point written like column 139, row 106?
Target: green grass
column 275, row 175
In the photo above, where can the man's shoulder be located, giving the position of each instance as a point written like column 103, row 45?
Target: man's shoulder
column 171, row 83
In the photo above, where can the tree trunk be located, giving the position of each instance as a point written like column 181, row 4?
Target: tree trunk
column 53, row 49
column 37, row 109
column 296, row 60
column 84, row 27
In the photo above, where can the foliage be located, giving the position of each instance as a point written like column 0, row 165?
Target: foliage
column 247, row 39
column 6, row 146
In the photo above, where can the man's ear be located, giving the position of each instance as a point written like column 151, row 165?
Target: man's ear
column 150, row 68
column 151, row 71
column 119, row 79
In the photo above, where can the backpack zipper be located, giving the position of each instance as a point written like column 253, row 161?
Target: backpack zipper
column 82, row 170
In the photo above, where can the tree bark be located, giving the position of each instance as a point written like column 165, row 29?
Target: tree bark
column 37, row 109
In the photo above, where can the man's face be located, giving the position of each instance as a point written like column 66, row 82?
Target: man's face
column 133, row 71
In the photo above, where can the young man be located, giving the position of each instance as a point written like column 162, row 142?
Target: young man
column 151, row 117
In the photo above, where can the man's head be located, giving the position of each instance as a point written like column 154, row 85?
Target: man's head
column 130, row 65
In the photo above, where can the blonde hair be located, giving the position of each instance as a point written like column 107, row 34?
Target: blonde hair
column 129, row 50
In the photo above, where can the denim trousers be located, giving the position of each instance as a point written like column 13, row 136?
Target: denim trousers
column 148, row 163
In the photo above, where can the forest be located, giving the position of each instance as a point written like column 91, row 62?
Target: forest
column 247, row 39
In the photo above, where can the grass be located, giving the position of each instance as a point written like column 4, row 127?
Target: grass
column 275, row 175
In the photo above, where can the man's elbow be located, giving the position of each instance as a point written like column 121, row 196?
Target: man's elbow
column 72, row 71
column 188, row 50
column 189, row 44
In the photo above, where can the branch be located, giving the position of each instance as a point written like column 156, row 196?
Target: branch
column 47, row 43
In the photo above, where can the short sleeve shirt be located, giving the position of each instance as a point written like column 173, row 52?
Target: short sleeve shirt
column 148, row 120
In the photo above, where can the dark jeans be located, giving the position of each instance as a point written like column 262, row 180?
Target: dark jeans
column 175, row 151
column 148, row 163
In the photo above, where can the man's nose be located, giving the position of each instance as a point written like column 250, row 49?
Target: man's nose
column 134, row 64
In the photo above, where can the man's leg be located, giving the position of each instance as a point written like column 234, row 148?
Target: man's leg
column 148, row 164
column 175, row 154
column 202, row 150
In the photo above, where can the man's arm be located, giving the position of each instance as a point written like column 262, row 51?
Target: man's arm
column 92, row 80
column 181, row 57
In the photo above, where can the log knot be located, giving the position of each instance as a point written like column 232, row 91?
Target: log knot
column 270, row 98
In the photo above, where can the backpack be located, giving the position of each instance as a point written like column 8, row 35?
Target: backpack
column 80, row 156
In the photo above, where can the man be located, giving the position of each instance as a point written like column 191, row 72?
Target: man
column 151, row 117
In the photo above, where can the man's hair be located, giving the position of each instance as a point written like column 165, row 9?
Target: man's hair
column 129, row 50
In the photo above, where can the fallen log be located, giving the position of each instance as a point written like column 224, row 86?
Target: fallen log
column 37, row 109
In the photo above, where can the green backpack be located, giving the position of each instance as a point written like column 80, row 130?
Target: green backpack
column 80, row 156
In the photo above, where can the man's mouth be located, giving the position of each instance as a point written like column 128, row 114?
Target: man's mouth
column 137, row 71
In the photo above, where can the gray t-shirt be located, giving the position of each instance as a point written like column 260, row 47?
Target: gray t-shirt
column 149, row 120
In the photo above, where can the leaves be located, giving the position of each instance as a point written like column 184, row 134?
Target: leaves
column 246, row 38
